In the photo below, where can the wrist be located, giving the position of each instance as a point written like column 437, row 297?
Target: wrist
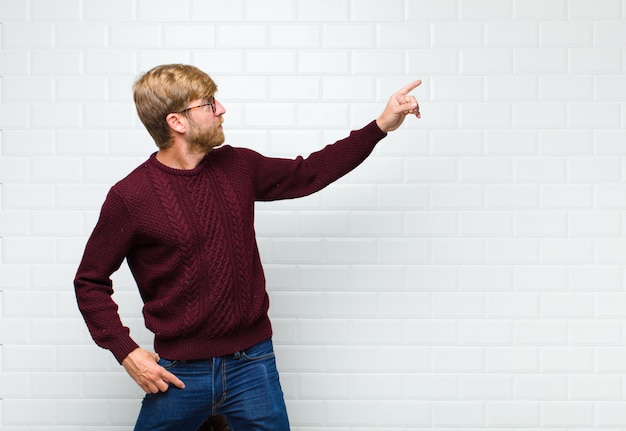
column 381, row 125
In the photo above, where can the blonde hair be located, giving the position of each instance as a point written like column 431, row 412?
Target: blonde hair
column 166, row 89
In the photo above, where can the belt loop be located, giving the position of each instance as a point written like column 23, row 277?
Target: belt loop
column 237, row 355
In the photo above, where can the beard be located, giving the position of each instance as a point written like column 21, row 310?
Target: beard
column 204, row 140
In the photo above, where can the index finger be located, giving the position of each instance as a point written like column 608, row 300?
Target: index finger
column 171, row 378
column 407, row 88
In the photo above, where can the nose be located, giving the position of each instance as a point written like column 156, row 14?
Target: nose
column 219, row 108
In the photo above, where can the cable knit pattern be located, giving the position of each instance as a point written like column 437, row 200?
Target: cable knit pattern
column 189, row 265
column 188, row 237
column 244, row 304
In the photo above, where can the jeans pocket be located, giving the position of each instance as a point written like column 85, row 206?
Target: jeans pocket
column 258, row 352
column 168, row 364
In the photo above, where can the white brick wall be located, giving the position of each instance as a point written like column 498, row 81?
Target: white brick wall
column 468, row 276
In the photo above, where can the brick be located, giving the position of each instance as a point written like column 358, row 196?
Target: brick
column 461, row 196
column 507, row 88
column 541, row 387
column 34, row 89
column 609, row 33
column 567, row 359
column 431, row 224
column 431, row 332
column 541, row 61
column 594, row 278
column 567, row 196
column 20, row 412
column 12, row 11
column 322, row 10
column 594, row 115
column 339, row 305
column 242, row 35
column 371, row 10
column 458, row 360
column 267, row 62
column 409, row 35
column 567, row 414
column 594, row 332
column 481, row 332
column 594, row 170
column 595, row 61
column 485, row 387
column 457, row 142
column 565, row 142
column 567, row 306
column 423, row 10
column 601, row 9
column 462, row 88
column 512, row 360
column 462, row 34
column 541, row 9
column 485, row 170
column 458, row 251
column 596, row 224
column 512, row 305
column 541, row 224
column 573, row 34
column 541, row 278
column 486, row 115
column 558, row 251
column 485, row 10
column 606, row 141
column 369, row 332
column 333, row 61
column 516, row 414
column 350, row 250
column 540, row 333
column 335, row 89
column 14, row 62
column 80, row 35
column 274, row 10
column 407, row 359
column 512, row 251
column 540, row 115
column 565, row 88
column 424, row 62
column 300, row 36
column 55, row 116
column 29, row 36
column 610, row 413
column 458, row 414
column 540, row 170
column 486, row 61
column 592, row 387
column 379, row 61
column 115, row 10
column 521, row 34
column 348, row 36
column 432, row 387
column 485, row 278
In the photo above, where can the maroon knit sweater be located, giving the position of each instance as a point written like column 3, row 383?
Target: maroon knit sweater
column 188, row 237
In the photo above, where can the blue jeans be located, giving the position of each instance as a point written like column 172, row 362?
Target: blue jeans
column 243, row 387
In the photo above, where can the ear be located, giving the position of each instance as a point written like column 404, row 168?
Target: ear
column 174, row 122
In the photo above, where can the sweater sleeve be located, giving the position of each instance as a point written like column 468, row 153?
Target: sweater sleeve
column 105, row 251
column 277, row 178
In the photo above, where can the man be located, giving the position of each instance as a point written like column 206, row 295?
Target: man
column 183, row 220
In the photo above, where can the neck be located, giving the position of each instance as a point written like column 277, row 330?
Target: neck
column 174, row 158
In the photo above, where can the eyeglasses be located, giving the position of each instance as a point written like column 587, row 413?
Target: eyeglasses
column 211, row 104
